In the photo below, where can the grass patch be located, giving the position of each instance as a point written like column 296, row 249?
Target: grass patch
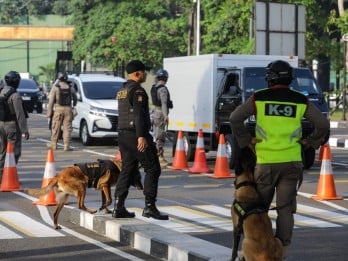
column 337, row 115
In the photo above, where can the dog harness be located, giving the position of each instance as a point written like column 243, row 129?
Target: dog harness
column 244, row 209
column 94, row 170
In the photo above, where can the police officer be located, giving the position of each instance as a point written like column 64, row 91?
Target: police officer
column 62, row 98
column 162, row 104
column 136, row 143
column 279, row 111
column 15, row 122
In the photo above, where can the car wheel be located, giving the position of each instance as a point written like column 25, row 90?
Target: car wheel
column 39, row 108
column 86, row 139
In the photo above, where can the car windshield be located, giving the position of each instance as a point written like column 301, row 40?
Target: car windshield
column 303, row 81
column 27, row 84
column 101, row 90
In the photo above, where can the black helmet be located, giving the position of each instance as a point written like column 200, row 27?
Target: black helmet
column 62, row 76
column 12, row 79
column 278, row 72
column 162, row 74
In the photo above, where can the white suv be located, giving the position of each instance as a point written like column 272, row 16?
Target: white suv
column 97, row 107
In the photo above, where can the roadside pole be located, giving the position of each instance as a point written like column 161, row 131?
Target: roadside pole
column 344, row 91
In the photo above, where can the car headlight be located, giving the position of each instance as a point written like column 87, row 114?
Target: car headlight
column 39, row 97
column 97, row 111
column 102, row 112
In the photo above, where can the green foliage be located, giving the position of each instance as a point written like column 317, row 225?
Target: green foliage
column 226, row 27
column 47, row 72
column 109, row 31
column 124, row 30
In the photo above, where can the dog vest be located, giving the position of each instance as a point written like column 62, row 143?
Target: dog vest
column 279, row 112
column 94, row 170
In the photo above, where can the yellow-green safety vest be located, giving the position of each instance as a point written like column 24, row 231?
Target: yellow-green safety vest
column 279, row 112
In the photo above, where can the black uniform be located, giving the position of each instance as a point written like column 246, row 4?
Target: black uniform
column 134, row 122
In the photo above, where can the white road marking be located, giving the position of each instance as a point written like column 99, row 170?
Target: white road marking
column 27, row 225
column 173, row 223
column 6, row 233
column 45, row 215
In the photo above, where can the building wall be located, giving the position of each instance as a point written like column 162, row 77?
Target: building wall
column 28, row 56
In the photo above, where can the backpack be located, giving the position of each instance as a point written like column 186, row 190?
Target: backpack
column 64, row 96
column 5, row 113
column 156, row 101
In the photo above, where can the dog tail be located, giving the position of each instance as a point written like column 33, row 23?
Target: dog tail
column 43, row 191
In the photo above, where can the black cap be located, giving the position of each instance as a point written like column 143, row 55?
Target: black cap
column 136, row 65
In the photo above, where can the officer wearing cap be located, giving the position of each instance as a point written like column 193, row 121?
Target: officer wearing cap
column 136, row 143
column 14, row 124
column 279, row 111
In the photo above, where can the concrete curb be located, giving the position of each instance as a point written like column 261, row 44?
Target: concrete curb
column 151, row 239
column 338, row 124
column 338, row 142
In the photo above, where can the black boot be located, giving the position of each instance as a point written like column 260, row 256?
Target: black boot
column 151, row 210
column 120, row 211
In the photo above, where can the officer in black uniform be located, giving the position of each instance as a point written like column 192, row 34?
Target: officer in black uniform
column 136, row 143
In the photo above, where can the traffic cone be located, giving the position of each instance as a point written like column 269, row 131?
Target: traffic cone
column 9, row 181
column 118, row 155
column 180, row 160
column 50, row 172
column 321, row 152
column 222, row 169
column 326, row 187
column 200, row 161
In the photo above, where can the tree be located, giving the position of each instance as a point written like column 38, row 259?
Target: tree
column 107, row 31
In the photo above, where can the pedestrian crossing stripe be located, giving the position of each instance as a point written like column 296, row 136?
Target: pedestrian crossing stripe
column 23, row 226
column 183, row 219
column 173, row 223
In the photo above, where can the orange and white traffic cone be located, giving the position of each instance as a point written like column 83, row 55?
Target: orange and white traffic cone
column 222, row 169
column 326, row 187
column 10, row 181
column 50, row 172
column 200, row 162
column 180, row 160
column 118, row 155
column 321, row 152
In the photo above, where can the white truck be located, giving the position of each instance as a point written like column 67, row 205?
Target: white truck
column 205, row 89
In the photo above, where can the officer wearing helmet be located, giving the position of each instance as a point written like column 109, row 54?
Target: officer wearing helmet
column 13, row 121
column 278, row 140
column 161, row 99
column 62, row 99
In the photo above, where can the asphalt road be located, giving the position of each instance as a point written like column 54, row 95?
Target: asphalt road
column 197, row 205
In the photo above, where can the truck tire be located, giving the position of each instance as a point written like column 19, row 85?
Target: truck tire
column 86, row 139
column 189, row 147
column 231, row 149
column 308, row 158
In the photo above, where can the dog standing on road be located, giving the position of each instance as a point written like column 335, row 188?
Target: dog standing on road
column 250, row 217
column 101, row 175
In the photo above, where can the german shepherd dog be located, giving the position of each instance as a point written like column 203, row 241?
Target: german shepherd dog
column 250, row 217
column 101, row 175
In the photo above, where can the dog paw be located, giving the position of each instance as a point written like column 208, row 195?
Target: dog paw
column 57, row 227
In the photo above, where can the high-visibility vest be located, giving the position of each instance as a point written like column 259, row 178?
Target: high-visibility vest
column 279, row 112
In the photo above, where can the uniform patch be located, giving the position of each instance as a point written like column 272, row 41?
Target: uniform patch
column 285, row 110
column 140, row 98
column 122, row 94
